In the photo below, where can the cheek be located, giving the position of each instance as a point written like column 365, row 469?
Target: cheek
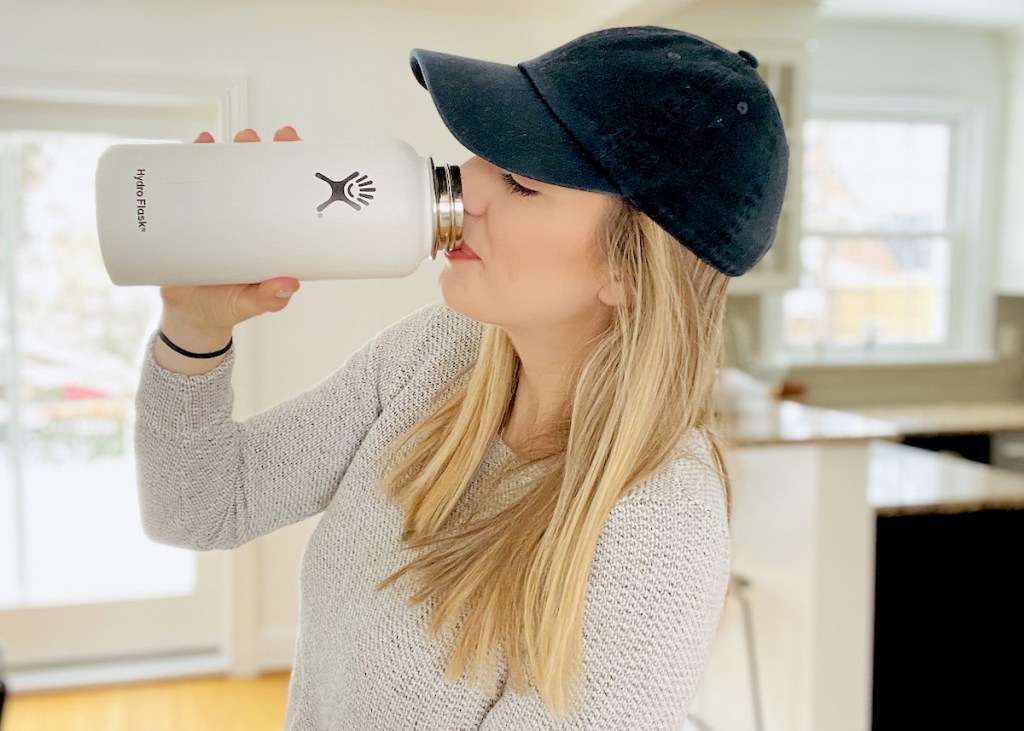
column 547, row 265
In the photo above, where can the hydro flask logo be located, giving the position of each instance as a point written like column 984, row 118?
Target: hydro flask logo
column 348, row 190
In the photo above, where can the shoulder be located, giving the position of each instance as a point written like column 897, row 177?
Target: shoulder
column 661, row 565
column 429, row 344
column 673, row 522
column 691, row 479
column 396, row 336
column 434, row 326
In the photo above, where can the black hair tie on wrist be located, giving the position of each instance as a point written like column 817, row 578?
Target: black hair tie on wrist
column 174, row 347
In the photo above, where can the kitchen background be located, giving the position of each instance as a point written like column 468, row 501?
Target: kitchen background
column 896, row 283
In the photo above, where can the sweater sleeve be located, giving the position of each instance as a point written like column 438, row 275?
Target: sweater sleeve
column 207, row 482
column 655, row 596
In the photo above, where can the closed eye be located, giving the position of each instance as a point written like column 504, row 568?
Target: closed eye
column 516, row 187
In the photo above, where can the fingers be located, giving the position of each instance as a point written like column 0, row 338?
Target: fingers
column 285, row 134
column 289, row 284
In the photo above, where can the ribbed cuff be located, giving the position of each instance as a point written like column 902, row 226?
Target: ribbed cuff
column 174, row 403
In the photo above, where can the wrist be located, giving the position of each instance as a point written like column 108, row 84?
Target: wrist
column 192, row 336
column 189, row 354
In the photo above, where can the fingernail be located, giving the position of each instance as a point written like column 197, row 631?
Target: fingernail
column 282, row 293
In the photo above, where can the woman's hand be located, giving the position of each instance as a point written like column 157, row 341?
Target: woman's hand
column 217, row 308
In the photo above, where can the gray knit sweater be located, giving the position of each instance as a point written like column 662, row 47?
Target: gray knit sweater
column 362, row 660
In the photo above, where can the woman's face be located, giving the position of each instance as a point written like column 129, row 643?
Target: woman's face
column 539, row 262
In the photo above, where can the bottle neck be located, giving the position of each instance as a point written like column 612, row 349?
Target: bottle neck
column 447, row 188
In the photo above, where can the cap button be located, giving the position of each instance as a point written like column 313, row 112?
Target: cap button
column 748, row 57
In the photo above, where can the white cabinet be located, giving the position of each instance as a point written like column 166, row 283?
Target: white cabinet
column 803, row 535
column 1010, row 272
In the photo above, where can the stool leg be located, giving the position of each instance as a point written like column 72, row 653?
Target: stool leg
column 742, row 584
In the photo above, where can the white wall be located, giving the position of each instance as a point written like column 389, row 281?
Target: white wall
column 765, row 20
column 884, row 57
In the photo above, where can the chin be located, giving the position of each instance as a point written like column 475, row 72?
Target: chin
column 465, row 309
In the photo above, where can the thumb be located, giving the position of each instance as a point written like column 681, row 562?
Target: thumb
column 266, row 299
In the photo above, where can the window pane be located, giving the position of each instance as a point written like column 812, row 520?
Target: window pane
column 806, row 320
column 871, row 292
column 875, row 176
column 76, row 364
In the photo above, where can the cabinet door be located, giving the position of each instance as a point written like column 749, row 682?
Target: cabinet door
column 945, row 623
column 975, row 447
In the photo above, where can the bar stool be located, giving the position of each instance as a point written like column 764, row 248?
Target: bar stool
column 738, row 585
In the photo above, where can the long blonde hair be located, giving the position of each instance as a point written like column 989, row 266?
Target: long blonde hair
column 517, row 578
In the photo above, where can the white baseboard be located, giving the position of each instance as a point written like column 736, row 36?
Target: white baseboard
column 115, row 672
column 275, row 653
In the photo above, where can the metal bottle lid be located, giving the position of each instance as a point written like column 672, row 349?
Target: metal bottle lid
column 447, row 185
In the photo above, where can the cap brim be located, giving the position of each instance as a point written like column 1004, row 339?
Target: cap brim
column 495, row 111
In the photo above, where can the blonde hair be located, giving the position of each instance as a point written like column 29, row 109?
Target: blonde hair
column 517, row 578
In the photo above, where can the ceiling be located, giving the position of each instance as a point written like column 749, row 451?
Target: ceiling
column 620, row 11
column 981, row 13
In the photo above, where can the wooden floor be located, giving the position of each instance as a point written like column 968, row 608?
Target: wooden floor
column 212, row 703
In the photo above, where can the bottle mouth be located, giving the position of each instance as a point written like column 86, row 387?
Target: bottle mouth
column 447, row 185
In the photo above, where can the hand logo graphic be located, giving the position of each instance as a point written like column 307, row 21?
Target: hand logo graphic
column 342, row 190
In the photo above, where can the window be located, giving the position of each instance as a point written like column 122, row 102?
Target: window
column 885, row 275
column 85, row 596
column 66, row 415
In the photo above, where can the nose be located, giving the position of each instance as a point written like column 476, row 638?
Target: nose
column 474, row 186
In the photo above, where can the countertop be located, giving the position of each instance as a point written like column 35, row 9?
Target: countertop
column 905, row 480
column 949, row 417
column 789, row 422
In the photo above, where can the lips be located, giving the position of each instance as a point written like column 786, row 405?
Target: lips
column 463, row 246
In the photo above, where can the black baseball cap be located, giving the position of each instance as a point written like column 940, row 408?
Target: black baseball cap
column 682, row 128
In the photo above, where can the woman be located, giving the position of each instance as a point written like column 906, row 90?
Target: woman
column 525, row 510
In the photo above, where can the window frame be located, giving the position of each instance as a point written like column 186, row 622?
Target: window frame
column 971, row 339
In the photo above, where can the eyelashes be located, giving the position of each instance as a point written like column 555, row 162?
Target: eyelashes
column 516, row 187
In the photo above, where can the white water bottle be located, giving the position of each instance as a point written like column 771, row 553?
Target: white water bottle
column 189, row 214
